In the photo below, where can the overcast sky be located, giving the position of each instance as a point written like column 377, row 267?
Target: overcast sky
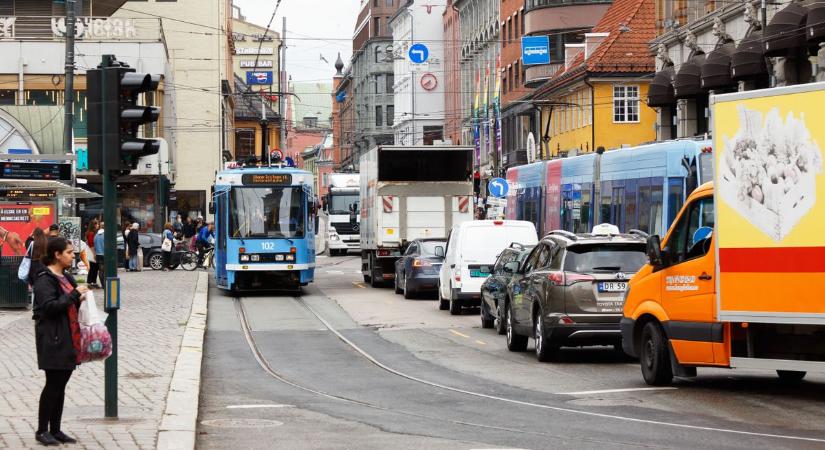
column 319, row 27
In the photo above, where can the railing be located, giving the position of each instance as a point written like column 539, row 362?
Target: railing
column 534, row 75
column 48, row 28
column 535, row 4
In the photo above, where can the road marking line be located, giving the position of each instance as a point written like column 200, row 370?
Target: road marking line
column 335, row 272
column 360, row 285
column 480, row 342
column 459, row 334
column 611, row 391
column 258, row 406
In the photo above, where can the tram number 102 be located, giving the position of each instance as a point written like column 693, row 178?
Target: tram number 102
column 268, row 245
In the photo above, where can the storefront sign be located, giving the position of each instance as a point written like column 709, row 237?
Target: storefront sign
column 265, row 63
column 254, row 51
column 36, row 171
column 97, row 28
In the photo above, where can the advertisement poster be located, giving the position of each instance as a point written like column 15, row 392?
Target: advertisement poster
column 770, row 201
column 552, row 217
column 23, row 217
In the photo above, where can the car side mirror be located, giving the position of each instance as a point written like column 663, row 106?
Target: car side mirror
column 485, row 270
column 439, row 251
column 511, row 267
column 654, row 251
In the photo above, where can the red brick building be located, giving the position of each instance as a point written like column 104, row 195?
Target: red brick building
column 452, row 75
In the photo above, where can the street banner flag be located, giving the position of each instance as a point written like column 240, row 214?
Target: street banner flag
column 476, row 130
column 486, row 106
column 497, row 108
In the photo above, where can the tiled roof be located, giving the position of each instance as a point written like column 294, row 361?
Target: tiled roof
column 631, row 26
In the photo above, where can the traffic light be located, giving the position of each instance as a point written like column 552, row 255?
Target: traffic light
column 115, row 117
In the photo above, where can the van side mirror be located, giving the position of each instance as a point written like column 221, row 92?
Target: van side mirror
column 439, row 251
column 485, row 270
column 511, row 267
column 654, row 251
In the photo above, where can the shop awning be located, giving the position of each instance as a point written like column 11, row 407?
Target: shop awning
column 716, row 70
column 749, row 58
column 815, row 27
column 660, row 92
column 62, row 189
column 786, row 30
column 688, row 80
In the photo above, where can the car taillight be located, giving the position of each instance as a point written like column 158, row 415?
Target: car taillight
column 573, row 278
column 457, row 277
column 498, row 222
column 383, row 253
column 556, row 278
column 421, row 263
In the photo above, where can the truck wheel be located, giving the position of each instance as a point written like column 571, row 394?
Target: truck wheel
column 455, row 306
column 791, row 375
column 655, row 357
column 367, row 279
column 515, row 342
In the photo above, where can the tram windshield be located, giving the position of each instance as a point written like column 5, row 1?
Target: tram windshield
column 266, row 212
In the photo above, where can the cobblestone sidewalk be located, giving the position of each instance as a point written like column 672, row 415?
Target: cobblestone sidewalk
column 154, row 309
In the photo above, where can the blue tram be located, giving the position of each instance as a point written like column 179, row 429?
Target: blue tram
column 639, row 187
column 265, row 226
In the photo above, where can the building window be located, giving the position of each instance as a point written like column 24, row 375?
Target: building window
column 433, row 133
column 390, row 115
column 376, row 3
column 379, row 116
column 389, row 3
column 625, row 103
column 504, row 85
column 504, row 33
column 378, row 85
column 311, row 122
column 377, row 54
column 7, row 97
column 376, row 26
column 390, row 83
column 244, row 143
column 515, row 22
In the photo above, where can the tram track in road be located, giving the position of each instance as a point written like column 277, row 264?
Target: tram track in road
column 264, row 364
column 613, row 417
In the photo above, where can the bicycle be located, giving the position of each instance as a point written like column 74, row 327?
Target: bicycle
column 189, row 261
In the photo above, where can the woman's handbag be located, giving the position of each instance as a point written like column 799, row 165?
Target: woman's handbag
column 167, row 245
column 140, row 259
column 25, row 265
column 95, row 340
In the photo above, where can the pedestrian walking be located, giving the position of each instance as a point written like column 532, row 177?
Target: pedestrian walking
column 57, row 298
column 36, row 252
column 167, row 245
column 127, row 226
column 133, row 244
column 54, row 230
column 99, row 246
column 91, row 232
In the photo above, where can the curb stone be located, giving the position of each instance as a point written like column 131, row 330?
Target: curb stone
column 179, row 422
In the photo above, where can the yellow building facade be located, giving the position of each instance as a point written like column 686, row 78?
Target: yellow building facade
column 584, row 116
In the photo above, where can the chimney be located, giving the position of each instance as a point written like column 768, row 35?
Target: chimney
column 592, row 41
column 571, row 51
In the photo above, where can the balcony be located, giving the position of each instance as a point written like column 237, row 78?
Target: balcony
column 97, row 29
column 534, row 76
column 546, row 16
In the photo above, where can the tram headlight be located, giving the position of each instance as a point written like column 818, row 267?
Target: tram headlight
column 290, row 257
column 244, row 258
column 279, row 257
column 255, row 258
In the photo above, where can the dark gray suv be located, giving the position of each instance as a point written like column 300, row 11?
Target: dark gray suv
column 572, row 291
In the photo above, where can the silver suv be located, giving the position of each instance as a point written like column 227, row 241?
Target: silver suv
column 572, row 290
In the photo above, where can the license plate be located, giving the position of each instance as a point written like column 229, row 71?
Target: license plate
column 478, row 274
column 612, row 286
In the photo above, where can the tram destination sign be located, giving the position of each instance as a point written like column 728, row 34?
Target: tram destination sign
column 36, row 171
column 252, row 179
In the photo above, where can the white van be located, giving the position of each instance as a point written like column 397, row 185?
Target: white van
column 471, row 246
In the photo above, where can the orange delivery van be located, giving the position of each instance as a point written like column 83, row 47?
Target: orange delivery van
column 739, row 279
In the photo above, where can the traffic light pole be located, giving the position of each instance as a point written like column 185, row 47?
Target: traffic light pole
column 109, row 252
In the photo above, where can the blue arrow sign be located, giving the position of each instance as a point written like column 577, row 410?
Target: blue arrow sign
column 498, row 187
column 419, row 53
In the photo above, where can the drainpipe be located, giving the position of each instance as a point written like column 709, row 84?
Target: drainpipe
column 21, row 86
column 592, row 115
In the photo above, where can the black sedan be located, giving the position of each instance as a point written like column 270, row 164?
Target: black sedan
column 494, row 289
column 417, row 271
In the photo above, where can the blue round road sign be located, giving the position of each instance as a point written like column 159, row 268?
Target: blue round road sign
column 498, row 187
column 419, row 53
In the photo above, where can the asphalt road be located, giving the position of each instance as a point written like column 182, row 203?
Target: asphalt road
column 348, row 366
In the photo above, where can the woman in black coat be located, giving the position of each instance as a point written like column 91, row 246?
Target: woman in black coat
column 132, row 246
column 57, row 298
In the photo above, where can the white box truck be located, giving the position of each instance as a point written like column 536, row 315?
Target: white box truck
column 409, row 193
column 344, row 218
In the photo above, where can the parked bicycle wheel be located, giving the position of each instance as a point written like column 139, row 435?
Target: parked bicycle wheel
column 189, row 261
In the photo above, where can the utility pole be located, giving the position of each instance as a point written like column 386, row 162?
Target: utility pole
column 282, row 89
column 264, row 130
column 68, row 95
